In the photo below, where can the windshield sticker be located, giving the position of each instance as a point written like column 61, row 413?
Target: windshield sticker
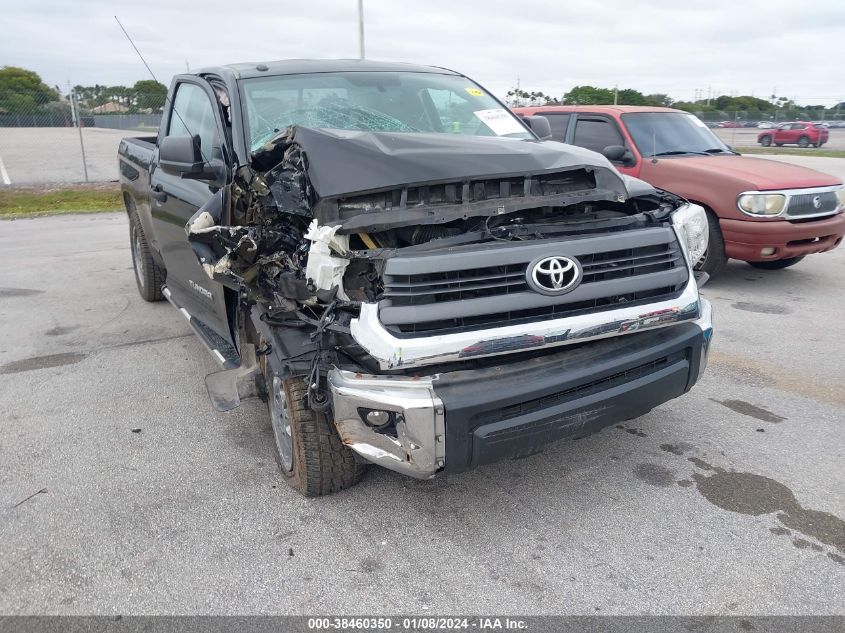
column 696, row 120
column 475, row 92
column 500, row 121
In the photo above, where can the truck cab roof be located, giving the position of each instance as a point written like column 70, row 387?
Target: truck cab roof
column 247, row 70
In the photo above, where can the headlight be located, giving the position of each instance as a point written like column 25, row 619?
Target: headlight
column 762, row 203
column 691, row 222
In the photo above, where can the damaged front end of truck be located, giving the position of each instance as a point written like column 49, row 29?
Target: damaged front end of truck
column 373, row 262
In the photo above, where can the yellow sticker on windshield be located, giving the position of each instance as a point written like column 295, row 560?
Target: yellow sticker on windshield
column 475, row 92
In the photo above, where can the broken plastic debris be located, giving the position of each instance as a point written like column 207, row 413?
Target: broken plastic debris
column 202, row 223
column 323, row 269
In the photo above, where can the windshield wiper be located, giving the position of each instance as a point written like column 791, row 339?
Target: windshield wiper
column 677, row 152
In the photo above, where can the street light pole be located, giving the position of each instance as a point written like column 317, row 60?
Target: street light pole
column 361, row 29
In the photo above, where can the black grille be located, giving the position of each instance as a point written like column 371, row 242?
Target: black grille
column 579, row 391
column 514, row 317
column 456, row 285
column 485, row 286
column 805, row 204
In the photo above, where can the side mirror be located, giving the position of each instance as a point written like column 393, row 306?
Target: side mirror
column 618, row 154
column 540, row 126
column 180, row 155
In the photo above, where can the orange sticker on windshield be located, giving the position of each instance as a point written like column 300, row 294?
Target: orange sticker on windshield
column 475, row 92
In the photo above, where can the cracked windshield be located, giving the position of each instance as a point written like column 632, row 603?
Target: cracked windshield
column 375, row 102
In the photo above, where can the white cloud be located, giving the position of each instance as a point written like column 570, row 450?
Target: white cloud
column 659, row 46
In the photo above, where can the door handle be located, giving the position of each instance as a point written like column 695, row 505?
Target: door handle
column 158, row 193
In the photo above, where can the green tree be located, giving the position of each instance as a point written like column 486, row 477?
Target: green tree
column 589, row 95
column 149, row 94
column 659, row 99
column 22, row 91
column 629, row 96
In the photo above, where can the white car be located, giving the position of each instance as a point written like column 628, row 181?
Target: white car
column 765, row 125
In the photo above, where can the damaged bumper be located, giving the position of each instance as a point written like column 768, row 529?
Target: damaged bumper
column 412, row 441
column 393, row 352
column 458, row 420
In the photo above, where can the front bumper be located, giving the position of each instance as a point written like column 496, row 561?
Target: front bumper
column 392, row 352
column 745, row 239
column 458, row 420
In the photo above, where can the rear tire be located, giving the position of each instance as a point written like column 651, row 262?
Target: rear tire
column 310, row 454
column 149, row 276
column 777, row 264
column 766, row 141
column 779, row 144
column 714, row 260
column 803, row 142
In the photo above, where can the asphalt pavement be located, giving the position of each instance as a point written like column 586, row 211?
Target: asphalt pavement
column 123, row 491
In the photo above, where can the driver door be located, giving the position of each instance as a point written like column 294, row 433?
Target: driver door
column 173, row 200
column 595, row 132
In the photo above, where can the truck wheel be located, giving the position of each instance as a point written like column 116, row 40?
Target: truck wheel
column 149, row 276
column 714, row 260
column 313, row 460
column 803, row 142
column 777, row 264
column 766, row 141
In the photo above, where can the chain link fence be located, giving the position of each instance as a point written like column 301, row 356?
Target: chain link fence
column 72, row 138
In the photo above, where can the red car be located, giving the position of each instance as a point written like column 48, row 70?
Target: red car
column 801, row 133
column 767, row 213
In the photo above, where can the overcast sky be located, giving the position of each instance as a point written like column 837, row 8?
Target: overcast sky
column 670, row 46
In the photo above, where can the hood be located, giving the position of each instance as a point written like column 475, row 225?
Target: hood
column 759, row 173
column 342, row 162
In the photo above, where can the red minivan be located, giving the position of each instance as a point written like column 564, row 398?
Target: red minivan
column 800, row 133
column 768, row 213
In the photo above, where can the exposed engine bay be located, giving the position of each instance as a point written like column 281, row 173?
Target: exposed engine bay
column 309, row 225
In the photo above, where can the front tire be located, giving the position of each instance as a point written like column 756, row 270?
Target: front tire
column 310, row 454
column 777, row 264
column 714, row 260
column 149, row 276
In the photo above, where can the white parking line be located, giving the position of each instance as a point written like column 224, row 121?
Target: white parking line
column 4, row 175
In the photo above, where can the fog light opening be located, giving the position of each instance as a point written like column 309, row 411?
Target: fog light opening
column 376, row 418
column 768, row 251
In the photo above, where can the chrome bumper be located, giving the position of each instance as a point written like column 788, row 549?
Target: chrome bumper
column 419, row 449
column 392, row 352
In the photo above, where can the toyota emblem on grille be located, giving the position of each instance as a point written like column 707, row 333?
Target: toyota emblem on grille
column 553, row 275
column 817, row 202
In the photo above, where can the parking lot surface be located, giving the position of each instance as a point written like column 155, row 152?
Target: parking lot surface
column 123, row 491
column 740, row 137
column 33, row 155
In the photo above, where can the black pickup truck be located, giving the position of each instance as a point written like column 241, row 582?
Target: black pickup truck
column 409, row 274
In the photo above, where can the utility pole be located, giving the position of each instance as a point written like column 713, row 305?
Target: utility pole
column 361, row 29
column 615, row 94
column 74, row 113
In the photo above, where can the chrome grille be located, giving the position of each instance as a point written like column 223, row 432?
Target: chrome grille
column 804, row 204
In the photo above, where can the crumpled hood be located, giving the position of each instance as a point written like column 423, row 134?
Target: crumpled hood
column 344, row 162
column 759, row 173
